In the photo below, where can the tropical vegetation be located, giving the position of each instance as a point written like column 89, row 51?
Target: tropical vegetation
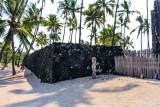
column 24, row 27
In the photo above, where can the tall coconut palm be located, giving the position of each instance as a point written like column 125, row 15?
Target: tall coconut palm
column 2, row 29
column 73, row 8
column 107, row 8
column 140, row 27
column 93, row 19
column 72, row 25
column 53, row 26
column 127, row 12
column 115, row 20
column 14, row 9
column 120, row 24
column 147, row 25
column 63, row 8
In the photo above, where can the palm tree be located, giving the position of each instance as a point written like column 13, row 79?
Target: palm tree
column 106, row 7
column 73, row 8
column 14, row 9
column 120, row 24
column 72, row 24
column 63, row 7
column 147, row 25
column 93, row 19
column 128, row 42
column 80, row 26
column 75, row 27
column 126, row 11
column 115, row 19
column 140, row 27
column 31, row 22
column 42, row 39
column 53, row 26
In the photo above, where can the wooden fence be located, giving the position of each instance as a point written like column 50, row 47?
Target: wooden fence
column 137, row 64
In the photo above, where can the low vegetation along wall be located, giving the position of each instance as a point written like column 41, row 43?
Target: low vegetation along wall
column 68, row 61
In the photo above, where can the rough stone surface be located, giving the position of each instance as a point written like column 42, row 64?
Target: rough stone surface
column 59, row 61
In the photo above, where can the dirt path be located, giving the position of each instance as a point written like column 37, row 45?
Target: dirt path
column 105, row 91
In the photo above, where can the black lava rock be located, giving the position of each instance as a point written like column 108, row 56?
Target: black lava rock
column 61, row 61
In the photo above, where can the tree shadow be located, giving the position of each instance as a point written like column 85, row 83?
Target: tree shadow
column 127, row 87
column 2, row 86
column 4, row 73
column 10, row 81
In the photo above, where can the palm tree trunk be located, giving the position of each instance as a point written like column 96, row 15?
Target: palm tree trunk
column 80, row 29
column 147, row 27
column 92, row 32
column 95, row 34
column 141, row 43
column 5, row 59
column 104, row 13
column 69, row 40
column 71, row 35
column 124, row 31
column 104, row 40
column 20, row 57
column 13, row 55
column 121, row 30
column 121, row 33
column 91, row 39
column 75, row 35
column 115, row 18
column 64, row 28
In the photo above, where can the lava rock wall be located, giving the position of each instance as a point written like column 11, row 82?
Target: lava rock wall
column 61, row 61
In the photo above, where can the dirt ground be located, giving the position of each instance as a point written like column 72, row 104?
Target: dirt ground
column 105, row 91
